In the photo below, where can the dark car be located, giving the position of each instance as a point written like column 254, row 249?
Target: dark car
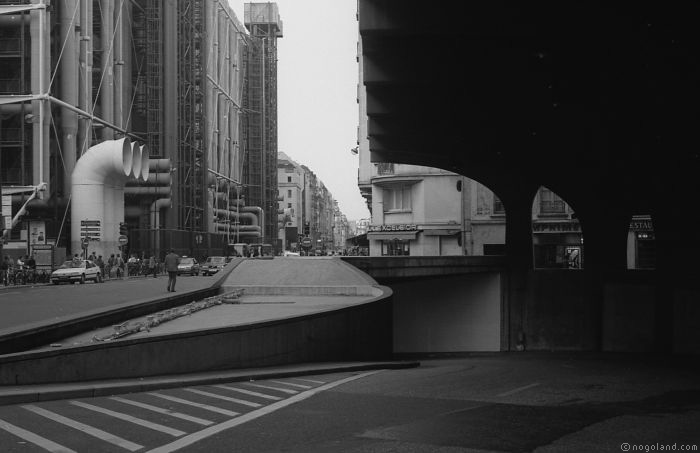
column 213, row 264
column 188, row 266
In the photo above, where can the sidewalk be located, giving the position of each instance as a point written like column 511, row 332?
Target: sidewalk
column 34, row 393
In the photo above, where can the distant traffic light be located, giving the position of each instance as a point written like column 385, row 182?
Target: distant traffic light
column 123, row 229
column 307, row 228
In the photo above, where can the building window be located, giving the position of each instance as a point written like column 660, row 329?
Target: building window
column 397, row 199
column 550, row 203
column 289, row 205
column 498, row 206
column 289, row 193
column 384, row 168
column 397, row 247
column 289, row 179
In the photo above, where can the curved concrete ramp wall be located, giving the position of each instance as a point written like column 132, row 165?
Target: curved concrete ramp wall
column 357, row 331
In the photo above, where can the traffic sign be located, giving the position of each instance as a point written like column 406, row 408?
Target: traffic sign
column 123, row 240
column 306, row 242
column 84, row 243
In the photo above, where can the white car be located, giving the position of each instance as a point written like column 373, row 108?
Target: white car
column 288, row 253
column 76, row 271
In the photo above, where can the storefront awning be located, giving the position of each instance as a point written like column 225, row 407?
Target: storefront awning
column 391, row 235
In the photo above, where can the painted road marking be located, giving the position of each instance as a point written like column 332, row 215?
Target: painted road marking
column 305, row 387
column 269, row 387
column 130, row 419
column 39, row 441
column 199, row 405
column 309, row 380
column 94, row 432
column 160, row 410
column 249, row 392
column 519, row 389
column 224, row 398
column 252, row 415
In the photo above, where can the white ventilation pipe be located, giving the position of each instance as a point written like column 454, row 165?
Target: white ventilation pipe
column 98, row 191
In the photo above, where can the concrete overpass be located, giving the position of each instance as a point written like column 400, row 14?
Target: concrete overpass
column 597, row 102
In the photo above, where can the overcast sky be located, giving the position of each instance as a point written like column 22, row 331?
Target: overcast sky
column 317, row 91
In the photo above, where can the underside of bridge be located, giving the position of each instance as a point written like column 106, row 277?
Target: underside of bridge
column 599, row 102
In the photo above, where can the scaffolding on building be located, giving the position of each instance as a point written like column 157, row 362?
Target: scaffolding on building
column 264, row 24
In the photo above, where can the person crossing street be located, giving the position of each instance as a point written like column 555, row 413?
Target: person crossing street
column 171, row 261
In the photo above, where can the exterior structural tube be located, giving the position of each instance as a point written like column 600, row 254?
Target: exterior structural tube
column 98, row 194
column 243, row 215
column 156, row 206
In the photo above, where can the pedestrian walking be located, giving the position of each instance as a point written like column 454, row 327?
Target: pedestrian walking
column 120, row 266
column 101, row 264
column 152, row 266
column 171, row 262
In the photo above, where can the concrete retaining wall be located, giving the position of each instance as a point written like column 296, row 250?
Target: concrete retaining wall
column 361, row 332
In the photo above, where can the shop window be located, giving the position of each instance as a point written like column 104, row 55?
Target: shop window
column 397, row 198
column 397, row 247
column 557, row 237
column 641, row 243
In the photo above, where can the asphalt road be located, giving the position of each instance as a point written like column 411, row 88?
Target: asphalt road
column 501, row 402
column 23, row 305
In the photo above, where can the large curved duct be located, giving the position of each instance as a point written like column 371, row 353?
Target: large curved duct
column 98, row 193
column 256, row 210
column 223, row 213
column 228, row 227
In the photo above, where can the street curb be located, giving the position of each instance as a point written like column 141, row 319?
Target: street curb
column 49, row 392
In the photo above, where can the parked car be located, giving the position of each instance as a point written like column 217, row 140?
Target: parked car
column 213, row 264
column 288, row 253
column 188, row 266
column 76, row 271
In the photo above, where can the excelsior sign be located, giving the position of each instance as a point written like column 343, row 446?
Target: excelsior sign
column 396, row 227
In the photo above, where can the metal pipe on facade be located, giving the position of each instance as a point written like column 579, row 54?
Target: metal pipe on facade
column 156, row 207
column 154, row 179
column 153, row 190
column 159, row 165
column 85, row 76
column 68, row 65
column 41, row 66
column 107, row 82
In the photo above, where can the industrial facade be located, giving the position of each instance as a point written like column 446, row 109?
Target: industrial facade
column 182, row 89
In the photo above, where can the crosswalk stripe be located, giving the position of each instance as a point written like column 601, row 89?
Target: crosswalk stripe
column 249, row 392
column 87, row 429
column 130, row 419
column 224, row 398
column 37, row 440
column 199, row 405
column 190, row 439
column 309, row 380
column 160, row 410
column 305, row 387
column 269, row 387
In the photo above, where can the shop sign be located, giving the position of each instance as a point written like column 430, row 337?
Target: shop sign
column 641, row 225
column 395, row 227
column 558, row 227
